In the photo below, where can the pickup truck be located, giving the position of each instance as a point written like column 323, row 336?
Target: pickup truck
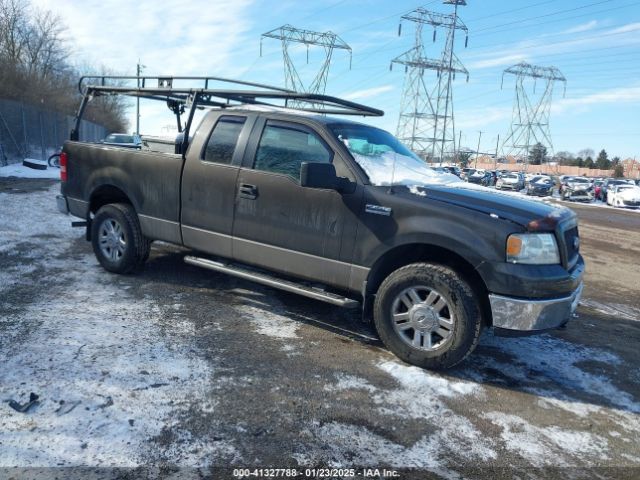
column 338, row 211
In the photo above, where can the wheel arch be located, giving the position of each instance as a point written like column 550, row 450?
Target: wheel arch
column 101, row 196
column 105, row 194
column 406, row 254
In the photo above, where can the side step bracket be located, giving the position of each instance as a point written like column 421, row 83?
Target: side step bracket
column 265, row 279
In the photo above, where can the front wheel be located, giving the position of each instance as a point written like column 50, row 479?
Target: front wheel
column 427, row 315
column 117, row 239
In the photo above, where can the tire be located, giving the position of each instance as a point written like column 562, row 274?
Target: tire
column 54, row 160
column 460, row 331
column 117, row 239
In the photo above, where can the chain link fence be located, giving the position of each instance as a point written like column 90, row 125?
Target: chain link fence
column 30, row 132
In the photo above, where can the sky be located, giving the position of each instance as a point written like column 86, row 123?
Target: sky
column 594, row 43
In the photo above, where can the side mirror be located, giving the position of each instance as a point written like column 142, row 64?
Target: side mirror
column 319, row 175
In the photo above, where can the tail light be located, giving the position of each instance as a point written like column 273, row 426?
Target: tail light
column 63, row 166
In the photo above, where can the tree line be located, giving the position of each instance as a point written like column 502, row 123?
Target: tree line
column 35, row 66
column 584, row 159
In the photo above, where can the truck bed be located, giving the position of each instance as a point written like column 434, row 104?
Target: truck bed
column 150, row 179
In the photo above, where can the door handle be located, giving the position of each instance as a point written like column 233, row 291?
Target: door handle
column 248, row 191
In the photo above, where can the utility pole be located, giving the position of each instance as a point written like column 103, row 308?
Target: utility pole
column 478, row 149
column 495, row 159
column 139, row 69
column 530, row 118
column 457, row 156
column 426, row 122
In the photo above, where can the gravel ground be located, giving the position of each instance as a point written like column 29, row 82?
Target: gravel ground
column 178, row 366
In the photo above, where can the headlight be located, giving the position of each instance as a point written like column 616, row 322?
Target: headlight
column 533, row 249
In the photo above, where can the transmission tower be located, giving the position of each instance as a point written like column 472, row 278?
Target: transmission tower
column 327, row 40
column 531, row 112
column 426, row 123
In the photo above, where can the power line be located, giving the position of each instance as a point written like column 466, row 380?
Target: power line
column 559, row 12
column 537, row 25
column 511, row 11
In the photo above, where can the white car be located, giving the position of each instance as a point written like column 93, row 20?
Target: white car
column 624, row 196
column 511, row 181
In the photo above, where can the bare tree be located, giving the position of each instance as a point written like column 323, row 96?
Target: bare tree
column 35, row 68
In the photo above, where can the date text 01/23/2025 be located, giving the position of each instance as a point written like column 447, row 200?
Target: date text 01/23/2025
column 314, row 473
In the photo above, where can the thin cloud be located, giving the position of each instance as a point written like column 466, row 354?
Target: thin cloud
column 582, row 28
column 509, row 59
column 541, row 47
column 617, row 95
column 368, row 93
column 480, row 118
column 631, row 27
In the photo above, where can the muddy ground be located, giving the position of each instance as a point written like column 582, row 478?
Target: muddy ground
column 178, row 366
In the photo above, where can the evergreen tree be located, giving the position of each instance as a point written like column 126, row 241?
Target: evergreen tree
column 603, row 162
column 537, row 154
column 588, row 163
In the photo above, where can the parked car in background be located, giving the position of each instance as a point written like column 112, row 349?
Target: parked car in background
column 541, row 187
column 123, row 140
column 578, row 189
column 466, row 172
column 608, row 185
column 453, row 170
column 481, row 177
column 529, row 179
column 625, row 195
column 564, row 180
column 510, row 181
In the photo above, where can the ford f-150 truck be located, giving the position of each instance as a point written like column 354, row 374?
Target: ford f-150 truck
column 332, row 209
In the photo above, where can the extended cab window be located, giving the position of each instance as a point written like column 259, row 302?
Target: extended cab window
column 283, row 148
column 223, row 140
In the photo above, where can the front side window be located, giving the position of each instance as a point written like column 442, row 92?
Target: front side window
column 223, row 140
column 283, row 148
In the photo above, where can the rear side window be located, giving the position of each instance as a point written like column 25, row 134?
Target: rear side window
column 223, row 139
column 283, row 148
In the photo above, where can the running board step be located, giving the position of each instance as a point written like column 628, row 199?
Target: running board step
column 264, row 279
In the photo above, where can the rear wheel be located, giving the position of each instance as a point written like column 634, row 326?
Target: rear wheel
column 117, row 239
column 427, row 315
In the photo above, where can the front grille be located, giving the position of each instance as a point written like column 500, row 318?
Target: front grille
column 630, row 203
column 569, row 241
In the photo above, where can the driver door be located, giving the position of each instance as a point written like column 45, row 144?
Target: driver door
column 280, row 225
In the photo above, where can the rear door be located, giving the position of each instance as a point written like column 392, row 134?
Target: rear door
column 209, row 181
column 281, row 225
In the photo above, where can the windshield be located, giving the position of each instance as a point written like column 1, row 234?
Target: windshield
column 384, row 159
column 579, row 180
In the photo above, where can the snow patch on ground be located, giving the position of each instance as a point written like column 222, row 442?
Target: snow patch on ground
column 556, row 362
column 420, row 396
column 617, row 310
column 350, row 382
column 112, row 371
column 269, row 323
column 19, row 170
column 349, row 446
column 548, row 446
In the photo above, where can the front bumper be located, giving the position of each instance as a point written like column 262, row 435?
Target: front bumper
column 523, row 315
column 61, row 201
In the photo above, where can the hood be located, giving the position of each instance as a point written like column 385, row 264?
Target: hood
column 511, row 207
column 579, row 185
column 631, row 194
